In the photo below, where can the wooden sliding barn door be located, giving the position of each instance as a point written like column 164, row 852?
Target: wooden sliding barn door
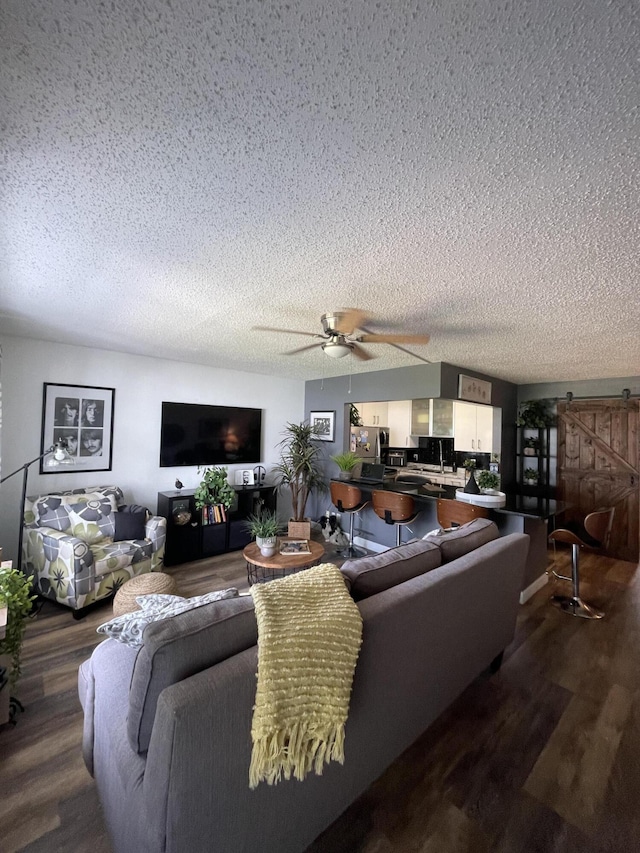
column 598, row 466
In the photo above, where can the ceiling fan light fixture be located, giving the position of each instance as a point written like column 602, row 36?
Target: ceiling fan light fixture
column 337, row 349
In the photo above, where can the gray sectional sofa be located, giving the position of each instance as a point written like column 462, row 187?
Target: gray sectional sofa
column 167, row 725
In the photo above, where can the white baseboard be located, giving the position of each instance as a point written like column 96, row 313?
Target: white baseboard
column 370, row 546
column 526, row 594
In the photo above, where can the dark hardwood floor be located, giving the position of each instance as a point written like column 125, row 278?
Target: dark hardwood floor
column 543, row 756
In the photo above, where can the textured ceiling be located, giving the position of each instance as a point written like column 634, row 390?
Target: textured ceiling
column 176, row 171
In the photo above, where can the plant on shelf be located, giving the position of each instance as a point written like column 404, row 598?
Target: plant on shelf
column 214, row 488
column 535, row 414
column 346, row 462
column 531, row 476
column 531, row 446
column 263, row 527
column 16, row 596
column 300, row 469
column 487, row 480
column 354, row 415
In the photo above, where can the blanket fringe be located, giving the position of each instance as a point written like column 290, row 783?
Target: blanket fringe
column 295, row 753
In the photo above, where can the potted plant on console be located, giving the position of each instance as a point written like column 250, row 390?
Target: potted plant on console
column 346, row 462
column 300, row 470
column 214, row 492
column 263, row 527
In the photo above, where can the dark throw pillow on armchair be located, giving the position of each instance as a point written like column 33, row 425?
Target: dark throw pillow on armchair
column 130, row 525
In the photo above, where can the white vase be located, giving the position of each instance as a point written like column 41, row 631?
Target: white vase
column 267, row 545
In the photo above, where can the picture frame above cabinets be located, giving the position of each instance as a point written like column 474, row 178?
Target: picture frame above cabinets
column 474, row 390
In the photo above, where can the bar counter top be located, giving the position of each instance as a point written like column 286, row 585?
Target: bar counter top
column 515, row 504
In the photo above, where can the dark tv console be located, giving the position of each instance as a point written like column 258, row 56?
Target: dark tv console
column 195, row 540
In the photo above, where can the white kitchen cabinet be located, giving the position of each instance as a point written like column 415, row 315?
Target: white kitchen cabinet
column 477, row 428
column 373, row 414
column 399, row 423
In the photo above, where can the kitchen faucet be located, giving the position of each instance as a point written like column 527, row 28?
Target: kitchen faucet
column 441, row 458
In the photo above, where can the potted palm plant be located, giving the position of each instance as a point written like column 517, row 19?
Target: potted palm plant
column 263, row 527
column 15, row 603
column 300, row 471
column 346, row 462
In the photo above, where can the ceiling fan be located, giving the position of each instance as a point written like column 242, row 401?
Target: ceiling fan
column 343, row 332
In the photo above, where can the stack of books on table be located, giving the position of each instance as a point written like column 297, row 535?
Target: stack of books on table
column 295, row 546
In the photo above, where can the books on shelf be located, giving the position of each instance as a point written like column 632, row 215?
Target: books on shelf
column 295, row 546
column 214, row 514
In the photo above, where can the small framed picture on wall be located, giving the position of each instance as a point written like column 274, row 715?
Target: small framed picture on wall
column 82, row 417
column 324, row 424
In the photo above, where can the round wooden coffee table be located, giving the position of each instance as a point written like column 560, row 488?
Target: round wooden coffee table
column 261, row 569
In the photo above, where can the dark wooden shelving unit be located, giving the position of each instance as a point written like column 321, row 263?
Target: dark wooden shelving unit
column 540, row 461
column 195, row 540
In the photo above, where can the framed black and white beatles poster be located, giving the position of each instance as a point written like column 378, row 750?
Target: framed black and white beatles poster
column 82, row 416
column 324, row 424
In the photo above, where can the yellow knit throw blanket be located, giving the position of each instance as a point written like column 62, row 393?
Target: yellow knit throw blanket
column 309, row 635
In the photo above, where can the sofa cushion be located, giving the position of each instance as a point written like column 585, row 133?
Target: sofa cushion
column 455, row 543
column 180, row 647
column 92, row 519
column 129, row 525
column 370, row 575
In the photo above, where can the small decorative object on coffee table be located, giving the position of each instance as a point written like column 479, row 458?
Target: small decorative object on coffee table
column 261, row 569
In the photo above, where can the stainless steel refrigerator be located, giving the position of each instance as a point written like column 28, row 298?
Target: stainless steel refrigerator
column 369, row 442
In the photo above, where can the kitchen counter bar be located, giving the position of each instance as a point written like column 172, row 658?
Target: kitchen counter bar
column 519, row 514
column 515, row 504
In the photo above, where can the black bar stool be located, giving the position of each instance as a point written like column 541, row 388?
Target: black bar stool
column 593, row 535
column 394, row 508
column 347, row 499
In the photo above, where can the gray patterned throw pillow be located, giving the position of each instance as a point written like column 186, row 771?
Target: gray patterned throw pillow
column 129, row 628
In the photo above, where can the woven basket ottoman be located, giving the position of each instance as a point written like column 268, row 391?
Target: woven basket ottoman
column 158, row 582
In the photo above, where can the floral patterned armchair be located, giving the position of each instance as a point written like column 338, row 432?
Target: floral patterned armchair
column 82, row 545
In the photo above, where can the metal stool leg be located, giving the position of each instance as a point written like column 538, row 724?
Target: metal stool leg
column 351, row 550
column 573, row 604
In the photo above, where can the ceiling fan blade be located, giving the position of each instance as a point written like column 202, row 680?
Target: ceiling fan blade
column 350, row 319
column 393, row 339
column 363, row 355
column 286, row 331
column 302, row 349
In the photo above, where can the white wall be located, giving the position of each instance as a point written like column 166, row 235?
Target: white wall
column 141, row 384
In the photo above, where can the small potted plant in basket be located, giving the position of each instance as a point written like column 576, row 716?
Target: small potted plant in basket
column 300, row 470
column 263, row 527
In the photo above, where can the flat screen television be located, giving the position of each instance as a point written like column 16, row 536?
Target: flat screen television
column 198, row 434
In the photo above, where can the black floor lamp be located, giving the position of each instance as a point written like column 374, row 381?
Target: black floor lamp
column 60, row 457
